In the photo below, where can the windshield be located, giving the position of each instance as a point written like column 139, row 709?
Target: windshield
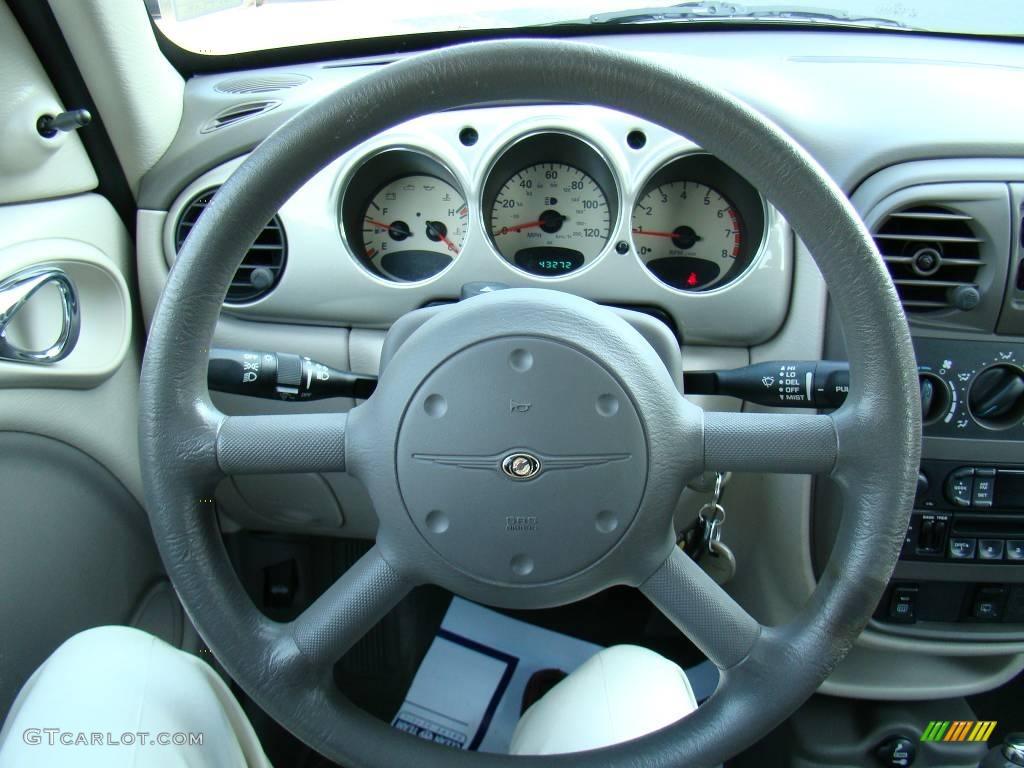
column 232, row 26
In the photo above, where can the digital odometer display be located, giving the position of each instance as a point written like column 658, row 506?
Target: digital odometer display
column 548, row 261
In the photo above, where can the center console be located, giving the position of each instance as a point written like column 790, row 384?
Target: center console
column 952, row 235
column 962, row 560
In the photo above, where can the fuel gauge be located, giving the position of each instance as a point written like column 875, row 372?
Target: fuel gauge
column 403, row 215
column 413, row 228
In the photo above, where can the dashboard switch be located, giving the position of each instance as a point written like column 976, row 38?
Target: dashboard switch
column 989, row 603
column 896, row 752
column 903, row 604
column 1015, row 549
column 991, row 549
column 962, row 549
column 960, row 487
column 984, row 487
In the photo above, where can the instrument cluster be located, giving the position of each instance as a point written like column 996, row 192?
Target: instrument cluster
column 550, row 204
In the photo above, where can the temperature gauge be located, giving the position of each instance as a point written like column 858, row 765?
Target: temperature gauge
column 413, row 228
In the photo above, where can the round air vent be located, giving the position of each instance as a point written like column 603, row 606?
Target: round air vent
column 260, row 84
column 263, row 265
column 933, row 255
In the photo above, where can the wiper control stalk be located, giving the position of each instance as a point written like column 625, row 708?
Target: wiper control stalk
column 781, row 384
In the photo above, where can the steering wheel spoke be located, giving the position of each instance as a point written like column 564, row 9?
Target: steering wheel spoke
column 348, row 609
column 783, row 443
column 702, row 610
column 308, row 442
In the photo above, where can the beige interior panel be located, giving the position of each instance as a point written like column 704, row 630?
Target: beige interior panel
column 32, row 166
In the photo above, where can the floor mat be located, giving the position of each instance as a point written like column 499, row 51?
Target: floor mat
column 467, row 692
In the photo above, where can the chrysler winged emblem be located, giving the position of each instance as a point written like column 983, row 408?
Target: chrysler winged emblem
column 521, row 465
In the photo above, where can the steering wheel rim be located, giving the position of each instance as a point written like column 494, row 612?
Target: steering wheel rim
column 870, row 446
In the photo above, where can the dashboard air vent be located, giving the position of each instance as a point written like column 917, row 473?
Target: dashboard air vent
column 264, row 84
column 262, row 267
column 236, row 113
column 933, row 255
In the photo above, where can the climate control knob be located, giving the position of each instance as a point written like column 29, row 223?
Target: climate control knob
column 996, row 397
column 935, row 398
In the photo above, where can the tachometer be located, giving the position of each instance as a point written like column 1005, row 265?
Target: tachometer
column 413, row 227
column 550, row 218
column 688, row 234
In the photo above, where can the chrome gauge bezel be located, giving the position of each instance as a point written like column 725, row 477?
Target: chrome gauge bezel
column 355, row 193
column 326, row 284
column 518, row 154
column 755, row 214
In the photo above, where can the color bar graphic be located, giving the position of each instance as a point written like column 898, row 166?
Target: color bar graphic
column 958, row 730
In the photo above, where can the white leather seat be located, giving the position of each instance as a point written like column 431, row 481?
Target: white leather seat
column 111, row 682
column 620, row 693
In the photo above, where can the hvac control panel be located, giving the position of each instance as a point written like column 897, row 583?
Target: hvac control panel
column 967, row 513
column 971, row 389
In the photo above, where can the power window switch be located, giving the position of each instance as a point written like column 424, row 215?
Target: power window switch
column 989, row 603
column 991, row 549
column 903, row 605
column 961, row 548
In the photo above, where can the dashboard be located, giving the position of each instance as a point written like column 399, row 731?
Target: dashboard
column 915, row 129
column 577, row 198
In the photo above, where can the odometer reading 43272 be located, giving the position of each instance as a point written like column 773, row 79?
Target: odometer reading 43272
column 550, row 219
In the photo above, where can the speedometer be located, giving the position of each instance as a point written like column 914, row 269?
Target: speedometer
column 550, row 218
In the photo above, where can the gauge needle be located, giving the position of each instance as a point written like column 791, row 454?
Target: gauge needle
column 656, row 234
column 388, row 227
column 527, row 225
column 517, row 227
column 434, row 229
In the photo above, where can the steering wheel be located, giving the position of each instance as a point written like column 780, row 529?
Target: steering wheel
column 529, row 506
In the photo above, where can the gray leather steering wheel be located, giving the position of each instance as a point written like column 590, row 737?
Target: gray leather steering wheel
column 613, row 453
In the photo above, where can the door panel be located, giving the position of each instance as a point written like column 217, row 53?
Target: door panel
column 76, row 549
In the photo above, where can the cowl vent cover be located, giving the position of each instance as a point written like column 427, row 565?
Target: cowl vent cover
column 933, row 254
column 263, row 84
column 263, row 265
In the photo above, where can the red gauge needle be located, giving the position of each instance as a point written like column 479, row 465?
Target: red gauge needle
column 388, row 227
column 435, row 229
column 653, row 234
column 449, row 243
column 517, row 227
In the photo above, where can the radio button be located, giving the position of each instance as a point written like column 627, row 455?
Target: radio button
column 962, row 549
column 991, row 549
column 1015, row 549
column 960, row 487
column 984, row 487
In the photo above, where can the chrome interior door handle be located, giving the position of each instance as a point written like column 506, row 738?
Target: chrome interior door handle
column 15, row 292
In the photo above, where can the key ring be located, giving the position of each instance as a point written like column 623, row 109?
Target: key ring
column 717, row 495
column 712, row 524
